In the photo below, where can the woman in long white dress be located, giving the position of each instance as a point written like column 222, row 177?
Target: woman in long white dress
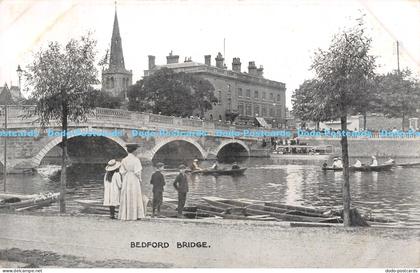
column 132, row 202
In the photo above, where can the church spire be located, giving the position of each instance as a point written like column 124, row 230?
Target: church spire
column 116, row 61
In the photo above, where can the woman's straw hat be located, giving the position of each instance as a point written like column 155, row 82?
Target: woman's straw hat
column 112, row 165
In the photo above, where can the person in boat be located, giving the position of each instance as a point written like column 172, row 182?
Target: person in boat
column 132, row 202
column 337, row 164
column 325, row 164
column 214, row 166
column 181, row 186
column 112, row 186
column 390, row 161
column 358, row 163
column 235, row 166
column 158, row 182
column 374, row 161
column 195, row 166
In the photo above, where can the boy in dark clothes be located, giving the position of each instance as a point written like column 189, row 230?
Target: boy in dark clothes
column 158, row 182
column 181, row 186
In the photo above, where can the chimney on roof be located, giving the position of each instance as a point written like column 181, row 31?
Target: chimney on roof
column 207, row 60
column 219, row 60
column 236, row 64
column 151, row 62
column 260, row 71
column 172, row 59
column 252, row 68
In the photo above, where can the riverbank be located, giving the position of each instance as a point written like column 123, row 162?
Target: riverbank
column 229, row 243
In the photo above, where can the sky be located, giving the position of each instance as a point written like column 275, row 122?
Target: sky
column 281, row 35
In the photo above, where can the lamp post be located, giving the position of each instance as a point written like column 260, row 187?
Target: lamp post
column 19, row 71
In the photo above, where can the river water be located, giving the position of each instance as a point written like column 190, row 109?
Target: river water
column 393, row 194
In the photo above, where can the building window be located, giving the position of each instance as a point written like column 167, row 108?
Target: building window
column 229, row 104
column 279, row 112
column 263, row 95
column 256, row 110
column 241, row 109
column 272, row 113
column 112, row 82
column 271, row 96
column 278, row 97
column 263, row 111
column 248, row 110
column 239, row 92
column 220, row 97
column 248, row 93
column 256, row 95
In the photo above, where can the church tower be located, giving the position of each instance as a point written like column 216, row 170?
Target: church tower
column 116, row 79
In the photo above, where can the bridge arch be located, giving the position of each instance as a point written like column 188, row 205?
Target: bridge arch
column 225, row 143
column 164, row 141
column 36, row 161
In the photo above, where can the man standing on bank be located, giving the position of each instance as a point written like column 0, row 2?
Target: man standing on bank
column 158, row 182
column 181, row 185
column 132, row 203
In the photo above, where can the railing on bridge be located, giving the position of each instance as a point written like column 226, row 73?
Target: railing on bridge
column 118, row 118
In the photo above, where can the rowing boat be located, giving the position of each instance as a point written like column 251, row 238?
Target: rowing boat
column 379, row 168
column 19, row 202
column 256, row 209
column 221, row 172
column 405, row 165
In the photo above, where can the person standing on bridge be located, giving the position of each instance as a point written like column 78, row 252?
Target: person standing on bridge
column 112, row 186
column 132, row 203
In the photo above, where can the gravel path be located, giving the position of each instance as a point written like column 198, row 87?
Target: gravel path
column 230, row 243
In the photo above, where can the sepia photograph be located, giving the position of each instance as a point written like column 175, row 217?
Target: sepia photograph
column 209, row 134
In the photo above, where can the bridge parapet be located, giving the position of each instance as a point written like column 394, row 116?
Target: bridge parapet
column 122, row 119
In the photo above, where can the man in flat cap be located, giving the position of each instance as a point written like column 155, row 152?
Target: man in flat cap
column 158, row 182
column 181, row 185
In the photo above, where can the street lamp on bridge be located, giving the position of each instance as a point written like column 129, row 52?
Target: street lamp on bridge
column 19, row 71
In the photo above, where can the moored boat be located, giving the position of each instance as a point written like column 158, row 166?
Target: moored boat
column 20, row 202
column 410, row 164
column 303, row 152
column 232, row 172
column 279, row 213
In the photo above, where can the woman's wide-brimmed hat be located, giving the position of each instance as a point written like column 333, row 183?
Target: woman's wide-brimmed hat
column 112, row 165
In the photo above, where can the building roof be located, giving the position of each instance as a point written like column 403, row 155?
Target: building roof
column 195, row 67
column 11, row 95
column 5, row 95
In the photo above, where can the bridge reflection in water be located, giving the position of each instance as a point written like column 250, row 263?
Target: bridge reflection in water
column 394, row 194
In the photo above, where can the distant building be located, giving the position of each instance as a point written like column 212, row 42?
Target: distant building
column 10, row 95
column 242, row 96
column 115, row 78
column 374, row 122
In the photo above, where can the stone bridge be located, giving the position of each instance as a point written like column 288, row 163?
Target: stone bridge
column 113, row 129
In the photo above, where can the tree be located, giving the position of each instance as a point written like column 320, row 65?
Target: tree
column 103, row 99
column 61, row 78
column 170, row 93
column 400, row 95
column 344, row 72
column 304, row 103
